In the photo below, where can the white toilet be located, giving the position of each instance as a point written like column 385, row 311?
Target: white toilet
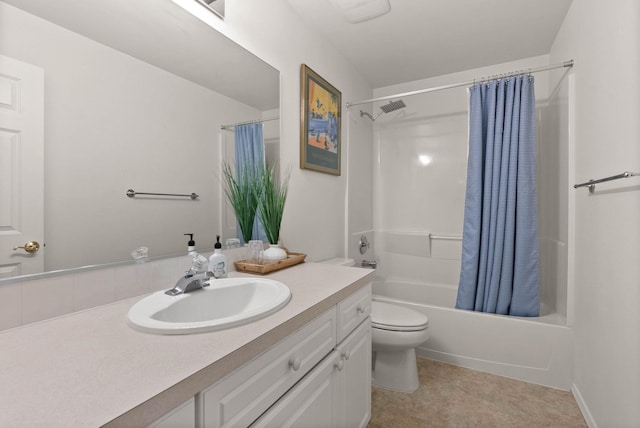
column 396, row 332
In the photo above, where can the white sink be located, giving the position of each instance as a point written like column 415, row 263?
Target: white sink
column 226, row 303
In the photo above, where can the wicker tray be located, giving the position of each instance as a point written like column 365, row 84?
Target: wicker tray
column 291, row 260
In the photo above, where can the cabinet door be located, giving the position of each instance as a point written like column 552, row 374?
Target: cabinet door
column 240, row 398
column 354, row 399
column 310, row 404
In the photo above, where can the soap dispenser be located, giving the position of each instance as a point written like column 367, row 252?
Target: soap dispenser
column 191, row 245
column 186, row 262
column 218, row 261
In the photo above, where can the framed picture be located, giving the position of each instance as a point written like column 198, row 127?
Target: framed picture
column 320, row 116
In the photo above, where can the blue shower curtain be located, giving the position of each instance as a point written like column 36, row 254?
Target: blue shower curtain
column 249, row 145
column 500, row 239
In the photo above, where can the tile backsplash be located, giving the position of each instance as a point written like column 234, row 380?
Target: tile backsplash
column 34, row 300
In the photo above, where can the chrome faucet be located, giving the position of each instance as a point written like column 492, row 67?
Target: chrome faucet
column 192, row 280
column 370, row 264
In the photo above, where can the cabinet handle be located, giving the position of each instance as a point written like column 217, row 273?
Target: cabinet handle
column 360, row 308
column 294, row 363
column 346, row 354
column 339, row 365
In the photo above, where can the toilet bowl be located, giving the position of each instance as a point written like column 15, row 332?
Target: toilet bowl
column 396, row 332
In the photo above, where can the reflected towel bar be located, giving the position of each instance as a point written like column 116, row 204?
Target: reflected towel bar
column 132, row 193
column 591, row 184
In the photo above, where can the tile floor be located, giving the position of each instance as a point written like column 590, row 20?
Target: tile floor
column 451, row 396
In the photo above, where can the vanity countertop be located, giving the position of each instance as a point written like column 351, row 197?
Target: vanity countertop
column 90, row 368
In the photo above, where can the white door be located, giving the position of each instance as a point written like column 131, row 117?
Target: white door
column 21, row 166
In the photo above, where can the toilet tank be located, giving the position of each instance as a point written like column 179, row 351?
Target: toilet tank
column 339, row 261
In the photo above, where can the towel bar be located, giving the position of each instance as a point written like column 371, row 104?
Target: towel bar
column 132, row 193
column 591, row 184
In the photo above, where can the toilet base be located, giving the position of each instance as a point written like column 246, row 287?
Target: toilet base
column 395, row 369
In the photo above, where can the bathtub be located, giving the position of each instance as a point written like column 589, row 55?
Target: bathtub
column 537, row 350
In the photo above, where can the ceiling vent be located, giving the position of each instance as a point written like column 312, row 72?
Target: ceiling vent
column 361, row 10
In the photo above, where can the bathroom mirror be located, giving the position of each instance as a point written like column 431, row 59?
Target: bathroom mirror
column 135, row 94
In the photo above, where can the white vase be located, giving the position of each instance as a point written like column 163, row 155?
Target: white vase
column 274, row 253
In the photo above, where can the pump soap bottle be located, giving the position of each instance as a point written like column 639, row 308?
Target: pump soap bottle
column 218, row 261
column 187, row 262
column 191, row 245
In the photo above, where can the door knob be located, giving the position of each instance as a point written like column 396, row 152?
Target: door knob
column 30, row 247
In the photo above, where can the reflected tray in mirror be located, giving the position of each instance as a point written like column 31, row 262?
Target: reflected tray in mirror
column 291, row 260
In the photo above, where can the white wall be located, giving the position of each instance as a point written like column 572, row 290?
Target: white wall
column 112, row 123
column 553, row 193
column 315, row 219
column 604, row 40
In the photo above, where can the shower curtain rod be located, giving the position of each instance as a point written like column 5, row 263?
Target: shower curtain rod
column 469, row 82
column 233, row 125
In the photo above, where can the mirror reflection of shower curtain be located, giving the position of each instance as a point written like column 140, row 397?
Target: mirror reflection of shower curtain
column 249, row 145
column 500, row 239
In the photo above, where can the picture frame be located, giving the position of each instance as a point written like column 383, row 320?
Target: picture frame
column 320, row 123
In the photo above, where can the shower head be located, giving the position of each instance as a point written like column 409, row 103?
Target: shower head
column 393, row 106
column 387, row 108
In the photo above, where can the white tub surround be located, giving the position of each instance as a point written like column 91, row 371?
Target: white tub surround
column 91, row 369
column 537, row 350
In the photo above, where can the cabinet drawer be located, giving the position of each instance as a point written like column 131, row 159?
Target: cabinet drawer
column 240, row 398
column 311, row 403
column 353, row 310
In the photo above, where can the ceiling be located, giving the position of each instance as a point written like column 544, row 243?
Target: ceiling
column 424, row 38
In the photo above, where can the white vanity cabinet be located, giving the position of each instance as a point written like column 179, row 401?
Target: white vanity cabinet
column 337, row 392
column 311, row 403
column 242, row 396
column 319, row 376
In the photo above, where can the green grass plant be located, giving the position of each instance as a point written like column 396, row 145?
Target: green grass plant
column 271, row 200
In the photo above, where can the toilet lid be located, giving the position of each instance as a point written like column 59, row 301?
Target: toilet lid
column 387, row 316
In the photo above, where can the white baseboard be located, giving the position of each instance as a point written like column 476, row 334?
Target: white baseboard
column 591, row 423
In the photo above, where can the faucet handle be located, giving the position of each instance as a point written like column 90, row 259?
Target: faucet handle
column 363, row 244
column 199, row 263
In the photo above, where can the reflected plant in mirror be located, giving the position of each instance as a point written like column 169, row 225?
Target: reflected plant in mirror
column 243, row 196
